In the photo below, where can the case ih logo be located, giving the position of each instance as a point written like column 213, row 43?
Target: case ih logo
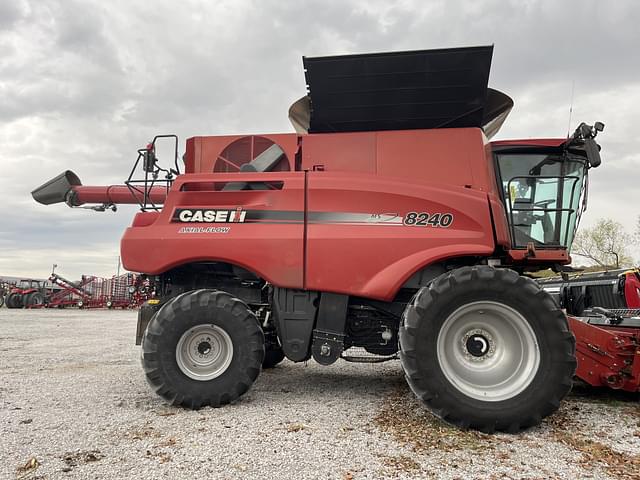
column 205, row 215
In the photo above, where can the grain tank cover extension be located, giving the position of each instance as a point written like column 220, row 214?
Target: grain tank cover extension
column 421, row 89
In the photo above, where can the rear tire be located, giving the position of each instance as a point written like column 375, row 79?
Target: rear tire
column 14, row 300
column 201, row 348
column 34, row 299
column 487, row 349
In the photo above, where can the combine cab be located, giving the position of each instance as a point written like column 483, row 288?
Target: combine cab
column 387, row 226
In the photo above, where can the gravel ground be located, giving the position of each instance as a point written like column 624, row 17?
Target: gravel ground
column 74, row 405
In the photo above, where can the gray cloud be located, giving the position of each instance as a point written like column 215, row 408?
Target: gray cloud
column 11, row 13
column 83, row 84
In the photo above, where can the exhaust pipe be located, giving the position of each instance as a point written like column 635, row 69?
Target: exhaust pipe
column 56, row 190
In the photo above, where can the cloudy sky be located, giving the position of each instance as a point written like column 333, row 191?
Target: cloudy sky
column 83, row 84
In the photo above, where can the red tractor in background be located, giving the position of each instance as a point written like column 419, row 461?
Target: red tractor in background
column 387, row 226
column 27, row 293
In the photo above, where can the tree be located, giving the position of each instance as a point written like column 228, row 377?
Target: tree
column 606, row 244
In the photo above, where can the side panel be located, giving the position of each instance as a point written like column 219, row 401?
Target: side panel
column 367, row 235
column 443, row 156
column 448, row 156
column 264, row 234
column 340, row 152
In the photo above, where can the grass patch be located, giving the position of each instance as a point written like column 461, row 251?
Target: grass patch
column 400, row 464
column 594, row 454
column 410, row 423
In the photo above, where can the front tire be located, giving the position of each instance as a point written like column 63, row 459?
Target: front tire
column 201, row 348
column 488, row 349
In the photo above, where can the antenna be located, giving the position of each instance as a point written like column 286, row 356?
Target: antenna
column 573, row 85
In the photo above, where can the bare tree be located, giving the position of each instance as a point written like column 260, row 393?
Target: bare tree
column 606, row 244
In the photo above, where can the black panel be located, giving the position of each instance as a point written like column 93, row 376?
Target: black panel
column 145, row 314
column 295, row 313
column 398, row 90
column 588, row 290
column 328, row 336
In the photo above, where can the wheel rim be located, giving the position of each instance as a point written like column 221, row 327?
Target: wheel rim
column 488, row 351
column 204, row 352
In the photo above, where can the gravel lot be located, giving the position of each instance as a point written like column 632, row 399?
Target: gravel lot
column 74, row 405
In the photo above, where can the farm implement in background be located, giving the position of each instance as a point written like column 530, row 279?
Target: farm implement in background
column 604, row 314
column 616, row 290
column 123, row 291
column 120, row 291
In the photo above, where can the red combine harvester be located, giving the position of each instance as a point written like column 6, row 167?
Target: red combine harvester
column 388, row 225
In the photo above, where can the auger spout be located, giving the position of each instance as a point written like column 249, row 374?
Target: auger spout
column 68, row 188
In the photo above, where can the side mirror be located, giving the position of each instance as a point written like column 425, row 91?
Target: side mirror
column 593, row 152
column 584, row 136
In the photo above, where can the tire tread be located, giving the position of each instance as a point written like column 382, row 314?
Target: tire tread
column 420, row 377
column 184, row 304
